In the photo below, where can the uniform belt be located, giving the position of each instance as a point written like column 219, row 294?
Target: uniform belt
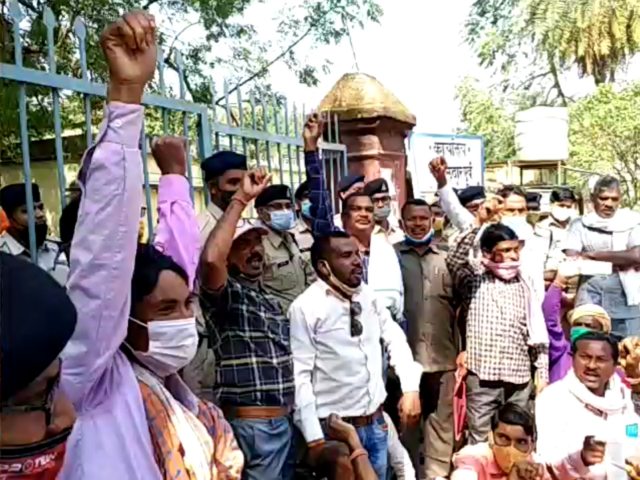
column 364, row 420
column 258, row 413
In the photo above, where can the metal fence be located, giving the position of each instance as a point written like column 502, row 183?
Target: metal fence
column 266, row 129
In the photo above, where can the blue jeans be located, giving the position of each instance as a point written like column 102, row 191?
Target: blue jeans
column 374, row 440
column 267, row 446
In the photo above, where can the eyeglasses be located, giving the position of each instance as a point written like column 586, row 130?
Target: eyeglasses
column 46, row 405
column 355, row 310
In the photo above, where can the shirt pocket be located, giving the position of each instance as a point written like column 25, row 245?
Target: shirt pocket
column 280, row 273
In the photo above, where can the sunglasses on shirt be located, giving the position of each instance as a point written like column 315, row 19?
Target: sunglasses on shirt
column 355, row 311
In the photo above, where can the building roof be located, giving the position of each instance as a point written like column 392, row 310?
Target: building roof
column 358, row 95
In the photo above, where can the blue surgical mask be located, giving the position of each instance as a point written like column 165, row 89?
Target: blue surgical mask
column 305, row 208
column 282, row 220
column 419, row 242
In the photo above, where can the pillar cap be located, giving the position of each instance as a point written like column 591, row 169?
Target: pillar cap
column 360, row 96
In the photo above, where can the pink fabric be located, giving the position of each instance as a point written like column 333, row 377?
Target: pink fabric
column 459, row 404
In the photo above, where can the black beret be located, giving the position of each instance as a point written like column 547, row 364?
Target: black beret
column 533, row 197
column 379, row 185
column 302, row 191
column 470, row 194
column 349, row 181
column 34, row 333
column 221, row 162
column 14, row 196
column 273, row 193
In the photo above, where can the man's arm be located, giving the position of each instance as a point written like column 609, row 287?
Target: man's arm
column 321, row 211
column 177, row 233
column 629, row 258
column 303, row 349
column 213, row 264
column 104, row 244
column 460, row 217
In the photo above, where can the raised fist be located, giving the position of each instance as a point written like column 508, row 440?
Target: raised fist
column 592, row 451
column 312, row 133
column 438, row 167
column 170, row 153
column 253, row 183
column 129, row 46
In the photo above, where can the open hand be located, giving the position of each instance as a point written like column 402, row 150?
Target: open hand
column 438, row 168
column 338, row 429
column 170, row 154
column 253, row 183
column 129, row 47
column 526, row 471
column 312, row 132
column 409, row 409
column 592, row 451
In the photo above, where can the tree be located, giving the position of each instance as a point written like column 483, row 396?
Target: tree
column 318, row 21
column 605, row 136
column 483, row 115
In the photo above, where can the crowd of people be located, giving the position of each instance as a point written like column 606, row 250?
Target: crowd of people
column 457, row 341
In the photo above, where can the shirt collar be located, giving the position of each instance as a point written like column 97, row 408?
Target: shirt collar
column 276, row 239
column 14, row 247
column 215, row 211
column 433, row 249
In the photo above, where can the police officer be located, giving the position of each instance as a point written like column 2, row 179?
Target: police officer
column 15, row 239
column 302, row 232
column 286, row 273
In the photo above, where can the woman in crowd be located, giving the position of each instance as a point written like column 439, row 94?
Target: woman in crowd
column 590, row 405
column 136, row 328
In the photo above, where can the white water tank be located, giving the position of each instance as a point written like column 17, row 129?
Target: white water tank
column 542, row 134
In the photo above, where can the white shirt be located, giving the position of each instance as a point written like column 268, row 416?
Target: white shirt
column 335, row 372
column 50, row 258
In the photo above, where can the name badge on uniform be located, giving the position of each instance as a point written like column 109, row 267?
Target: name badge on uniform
column 282, row 264
column 632, row 430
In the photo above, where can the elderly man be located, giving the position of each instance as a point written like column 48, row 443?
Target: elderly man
column 286, row 273
column 250, row 333
column 15, row 240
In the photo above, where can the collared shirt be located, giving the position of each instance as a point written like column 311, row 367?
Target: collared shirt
column 429, row 307
column 586, row 239
column 286, row 273
column 207, row 221
column 304, row 237
column 338, row 373
column 393, row 235
column 50, row 257
column 251, row 345
column 553, row 237
column 497, row 333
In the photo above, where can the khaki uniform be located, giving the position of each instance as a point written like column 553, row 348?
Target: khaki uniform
column 304, row 239
column 50, row 257
column 200, row 373
column 286, row 273
column 394, row 234
column 433, row 337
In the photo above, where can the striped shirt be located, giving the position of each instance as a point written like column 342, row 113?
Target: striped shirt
column 250, row 339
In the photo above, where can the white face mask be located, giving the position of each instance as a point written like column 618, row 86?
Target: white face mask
column 172, row 345
column 562, row 214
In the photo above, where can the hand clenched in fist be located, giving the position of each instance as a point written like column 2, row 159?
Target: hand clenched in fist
column 129, row 46
column 170, row 154
column 253, row 183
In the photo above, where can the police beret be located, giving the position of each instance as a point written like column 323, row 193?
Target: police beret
column 470, row 194
column 349, row 181
column 273, row 193
column 14, row 196
column 302, row 191
column 221, row 162
column 33, row 333
column 379, row 185
column 533, row 197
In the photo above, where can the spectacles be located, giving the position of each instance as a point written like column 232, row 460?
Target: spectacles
column 46, row 405
column 355, row 310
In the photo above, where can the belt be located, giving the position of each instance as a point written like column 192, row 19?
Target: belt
column 257, row 413
column 364, row 420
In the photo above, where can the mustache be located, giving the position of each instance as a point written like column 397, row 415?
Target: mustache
column 255, row 256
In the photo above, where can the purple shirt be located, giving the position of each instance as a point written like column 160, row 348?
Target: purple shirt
column 560, row 360
column 110, row 439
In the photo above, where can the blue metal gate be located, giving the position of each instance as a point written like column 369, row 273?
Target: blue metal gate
column 265, row 129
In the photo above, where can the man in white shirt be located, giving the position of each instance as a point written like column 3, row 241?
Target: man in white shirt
column 336, row 328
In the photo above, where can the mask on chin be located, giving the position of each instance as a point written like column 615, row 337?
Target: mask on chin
column 336, row 283
column 172, row 345
column 419, row 242
column 505, row 270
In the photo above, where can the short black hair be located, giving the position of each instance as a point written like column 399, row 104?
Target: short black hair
column 416, row 202
column 149, row 264
column 508, row 190
column 322, row 245
column 494, row 234
column 596, row 336
column 347, row 199
column 608, row 182
column 562, row 194
column 512, row 414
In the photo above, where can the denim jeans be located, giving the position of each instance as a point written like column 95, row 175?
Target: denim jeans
column 374, row 440
column 268, row 448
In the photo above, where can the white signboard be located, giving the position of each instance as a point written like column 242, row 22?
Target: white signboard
column 464, row 155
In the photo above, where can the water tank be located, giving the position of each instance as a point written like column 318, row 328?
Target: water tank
column 542, row 134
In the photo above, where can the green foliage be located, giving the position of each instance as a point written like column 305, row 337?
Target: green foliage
column 605, row 136
column 483, row 115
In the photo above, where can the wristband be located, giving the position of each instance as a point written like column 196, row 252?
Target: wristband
column 239, row 200
column 358, row 452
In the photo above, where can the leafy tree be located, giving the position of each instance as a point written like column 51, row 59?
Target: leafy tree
column 486, row 113
column 605, row 136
